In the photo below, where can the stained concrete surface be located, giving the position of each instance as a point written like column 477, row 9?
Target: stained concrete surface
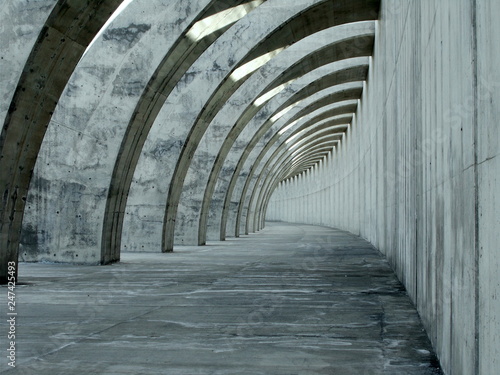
column 418, row 174
column 291, row 299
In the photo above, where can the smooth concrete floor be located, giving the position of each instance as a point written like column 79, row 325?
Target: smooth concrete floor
column 291, row 299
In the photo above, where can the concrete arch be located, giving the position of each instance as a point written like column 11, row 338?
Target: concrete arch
column 145, row 208
column 284, row 159
column 416, row 174
column 174, row 65
column 235, row 159
column 260, row 179
column 68, row 197
column 213, row 157
column 337, row 124
column 105, row 258
column 253, row 222
column 169, row 133
column 353, row 74
column 303, row 162
column 342, row 73
column 21, row 25
column 317, row 166
column 352, row 91
column 291, row 166
column 324, row 98
column 296, row 155
column 304, row 166
column 305, row 22
column 319, row 161
column 125, row 138
column 246, row 182
column 63, row 39
column 239, row 175
column 302, row 57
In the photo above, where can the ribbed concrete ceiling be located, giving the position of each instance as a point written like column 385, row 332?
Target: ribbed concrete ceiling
column 176, row 124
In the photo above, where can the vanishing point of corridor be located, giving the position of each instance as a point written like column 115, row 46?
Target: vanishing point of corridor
column 292, row 299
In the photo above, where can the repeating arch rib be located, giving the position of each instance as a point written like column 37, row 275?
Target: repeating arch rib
column 66, row 34
column 311, row 154
column 84, row 136
column 176, row 62
column 341, row 109
column 277, row 162
column 265, row 170
column 356, row 71
column 312, row 19
column 266, row 200
column 310, row 16
column 338, row 94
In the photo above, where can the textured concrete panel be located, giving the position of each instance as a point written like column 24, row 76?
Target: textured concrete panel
column 21, row 22
column 417, row 173
column 62, row 41
column 78, row 154
column 293, row 299
column 222, row 126
column 488, row 182
column 194, row 103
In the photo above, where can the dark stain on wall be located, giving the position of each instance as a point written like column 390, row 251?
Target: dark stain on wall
column 127, row 35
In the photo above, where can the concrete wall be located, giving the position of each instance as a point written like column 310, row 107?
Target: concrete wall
column 487, row 137
column 21, row 22
column 125, row 147
column 63, row 219
column 175, row 126
column 417, row 173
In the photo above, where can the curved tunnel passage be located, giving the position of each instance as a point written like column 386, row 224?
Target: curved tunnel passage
column 294, row 299
column 180, row 122
column 220, row 22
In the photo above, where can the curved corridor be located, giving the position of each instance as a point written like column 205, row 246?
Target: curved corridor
column 292, row 299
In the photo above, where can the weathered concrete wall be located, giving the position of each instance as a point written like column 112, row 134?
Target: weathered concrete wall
column 488, row 184
column 417, row 173
column 177, row 121
column 75, row 208
column 20, row 24
column 215, row 147
column 243, row 154
column 190, row 130
column 65, row 207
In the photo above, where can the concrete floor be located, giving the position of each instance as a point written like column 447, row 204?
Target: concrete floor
column 291, row 299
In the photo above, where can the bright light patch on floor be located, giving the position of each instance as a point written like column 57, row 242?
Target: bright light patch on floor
column 271, row 94
column 253, row 65
column 115, row 14
column 220, row 20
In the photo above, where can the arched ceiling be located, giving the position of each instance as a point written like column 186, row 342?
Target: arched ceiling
column 176, row 124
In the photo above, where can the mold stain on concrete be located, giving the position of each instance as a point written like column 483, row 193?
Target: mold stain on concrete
column 127, row 35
